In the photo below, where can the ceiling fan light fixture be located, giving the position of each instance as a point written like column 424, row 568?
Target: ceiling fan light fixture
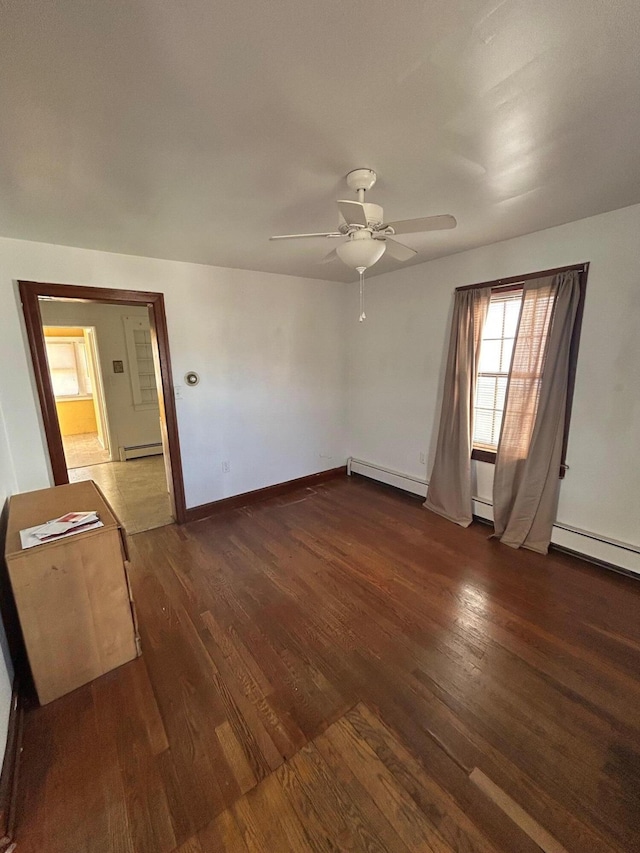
column 368, row 237
column 361, row 250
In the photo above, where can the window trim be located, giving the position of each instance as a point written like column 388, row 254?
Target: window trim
column 503, row 285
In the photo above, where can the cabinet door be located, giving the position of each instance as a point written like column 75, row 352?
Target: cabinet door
column 74, row 610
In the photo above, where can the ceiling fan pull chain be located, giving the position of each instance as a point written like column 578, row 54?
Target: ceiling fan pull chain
column 363, row 316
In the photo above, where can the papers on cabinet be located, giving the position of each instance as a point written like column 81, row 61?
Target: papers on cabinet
column 58, row 528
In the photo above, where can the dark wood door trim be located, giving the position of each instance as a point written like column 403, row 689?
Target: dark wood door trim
column 30, row 292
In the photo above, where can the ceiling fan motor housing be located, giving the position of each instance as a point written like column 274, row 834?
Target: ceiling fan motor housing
column 374, row 215
column 361, row 179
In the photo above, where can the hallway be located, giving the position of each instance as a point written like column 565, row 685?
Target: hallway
column 83, row 449
column 137, row 491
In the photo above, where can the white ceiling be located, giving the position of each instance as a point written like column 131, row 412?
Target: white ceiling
column 195, row 129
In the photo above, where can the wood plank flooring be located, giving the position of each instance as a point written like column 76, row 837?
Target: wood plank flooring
column 324, row 671
column 355, row 787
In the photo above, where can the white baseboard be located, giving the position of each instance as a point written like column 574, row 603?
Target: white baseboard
column 139, row 450
column 591, row 546
column 388, row 476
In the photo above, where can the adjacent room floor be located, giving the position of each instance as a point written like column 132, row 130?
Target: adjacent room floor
column 83, row 449
column 137, row 490
column 339, row 669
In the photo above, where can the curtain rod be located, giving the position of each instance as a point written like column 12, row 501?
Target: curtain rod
column 517, row 279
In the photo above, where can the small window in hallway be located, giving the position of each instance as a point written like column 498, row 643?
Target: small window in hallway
column 69, row 367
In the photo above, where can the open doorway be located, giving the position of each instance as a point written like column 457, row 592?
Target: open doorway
column 106, row 393
column 103, row 374
column 76, row 376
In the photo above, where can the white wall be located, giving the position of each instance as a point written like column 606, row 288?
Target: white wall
column 127, row 425
column 7, row 488
column 396, row 362
column 269, row 350
column 271, row 354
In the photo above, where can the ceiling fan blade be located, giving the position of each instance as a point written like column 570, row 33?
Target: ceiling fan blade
column 296, row 236
column 354, row 212
column 398, row 250
column 427, row 223
column 332, row 256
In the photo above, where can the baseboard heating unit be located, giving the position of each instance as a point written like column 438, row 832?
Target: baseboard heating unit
column 135, row 451
column 591, row 546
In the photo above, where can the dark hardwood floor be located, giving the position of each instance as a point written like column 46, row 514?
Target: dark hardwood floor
column 333, row 670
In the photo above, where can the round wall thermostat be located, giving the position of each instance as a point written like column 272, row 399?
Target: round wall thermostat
column 191, row 378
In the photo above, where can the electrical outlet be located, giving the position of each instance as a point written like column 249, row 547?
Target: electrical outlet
column 423, row 458
column 178, row 392
column 226, row 467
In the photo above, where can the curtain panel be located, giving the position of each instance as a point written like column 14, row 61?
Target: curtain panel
column 449, row 491
column 526, row 484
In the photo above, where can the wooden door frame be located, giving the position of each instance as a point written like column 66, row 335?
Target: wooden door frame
column 30, row 293
column 100, row 401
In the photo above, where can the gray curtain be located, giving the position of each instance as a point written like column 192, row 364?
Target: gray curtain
column 526, row 479
column 450, row 483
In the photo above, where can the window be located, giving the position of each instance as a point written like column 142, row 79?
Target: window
column 496, row 349
column 69, row 367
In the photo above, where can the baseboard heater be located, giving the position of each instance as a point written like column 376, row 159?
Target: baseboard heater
column 590, row 546
column 135, row 451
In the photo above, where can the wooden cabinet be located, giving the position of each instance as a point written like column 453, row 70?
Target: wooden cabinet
column 73, row 596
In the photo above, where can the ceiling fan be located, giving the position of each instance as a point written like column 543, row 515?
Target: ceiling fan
column 365, row 237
